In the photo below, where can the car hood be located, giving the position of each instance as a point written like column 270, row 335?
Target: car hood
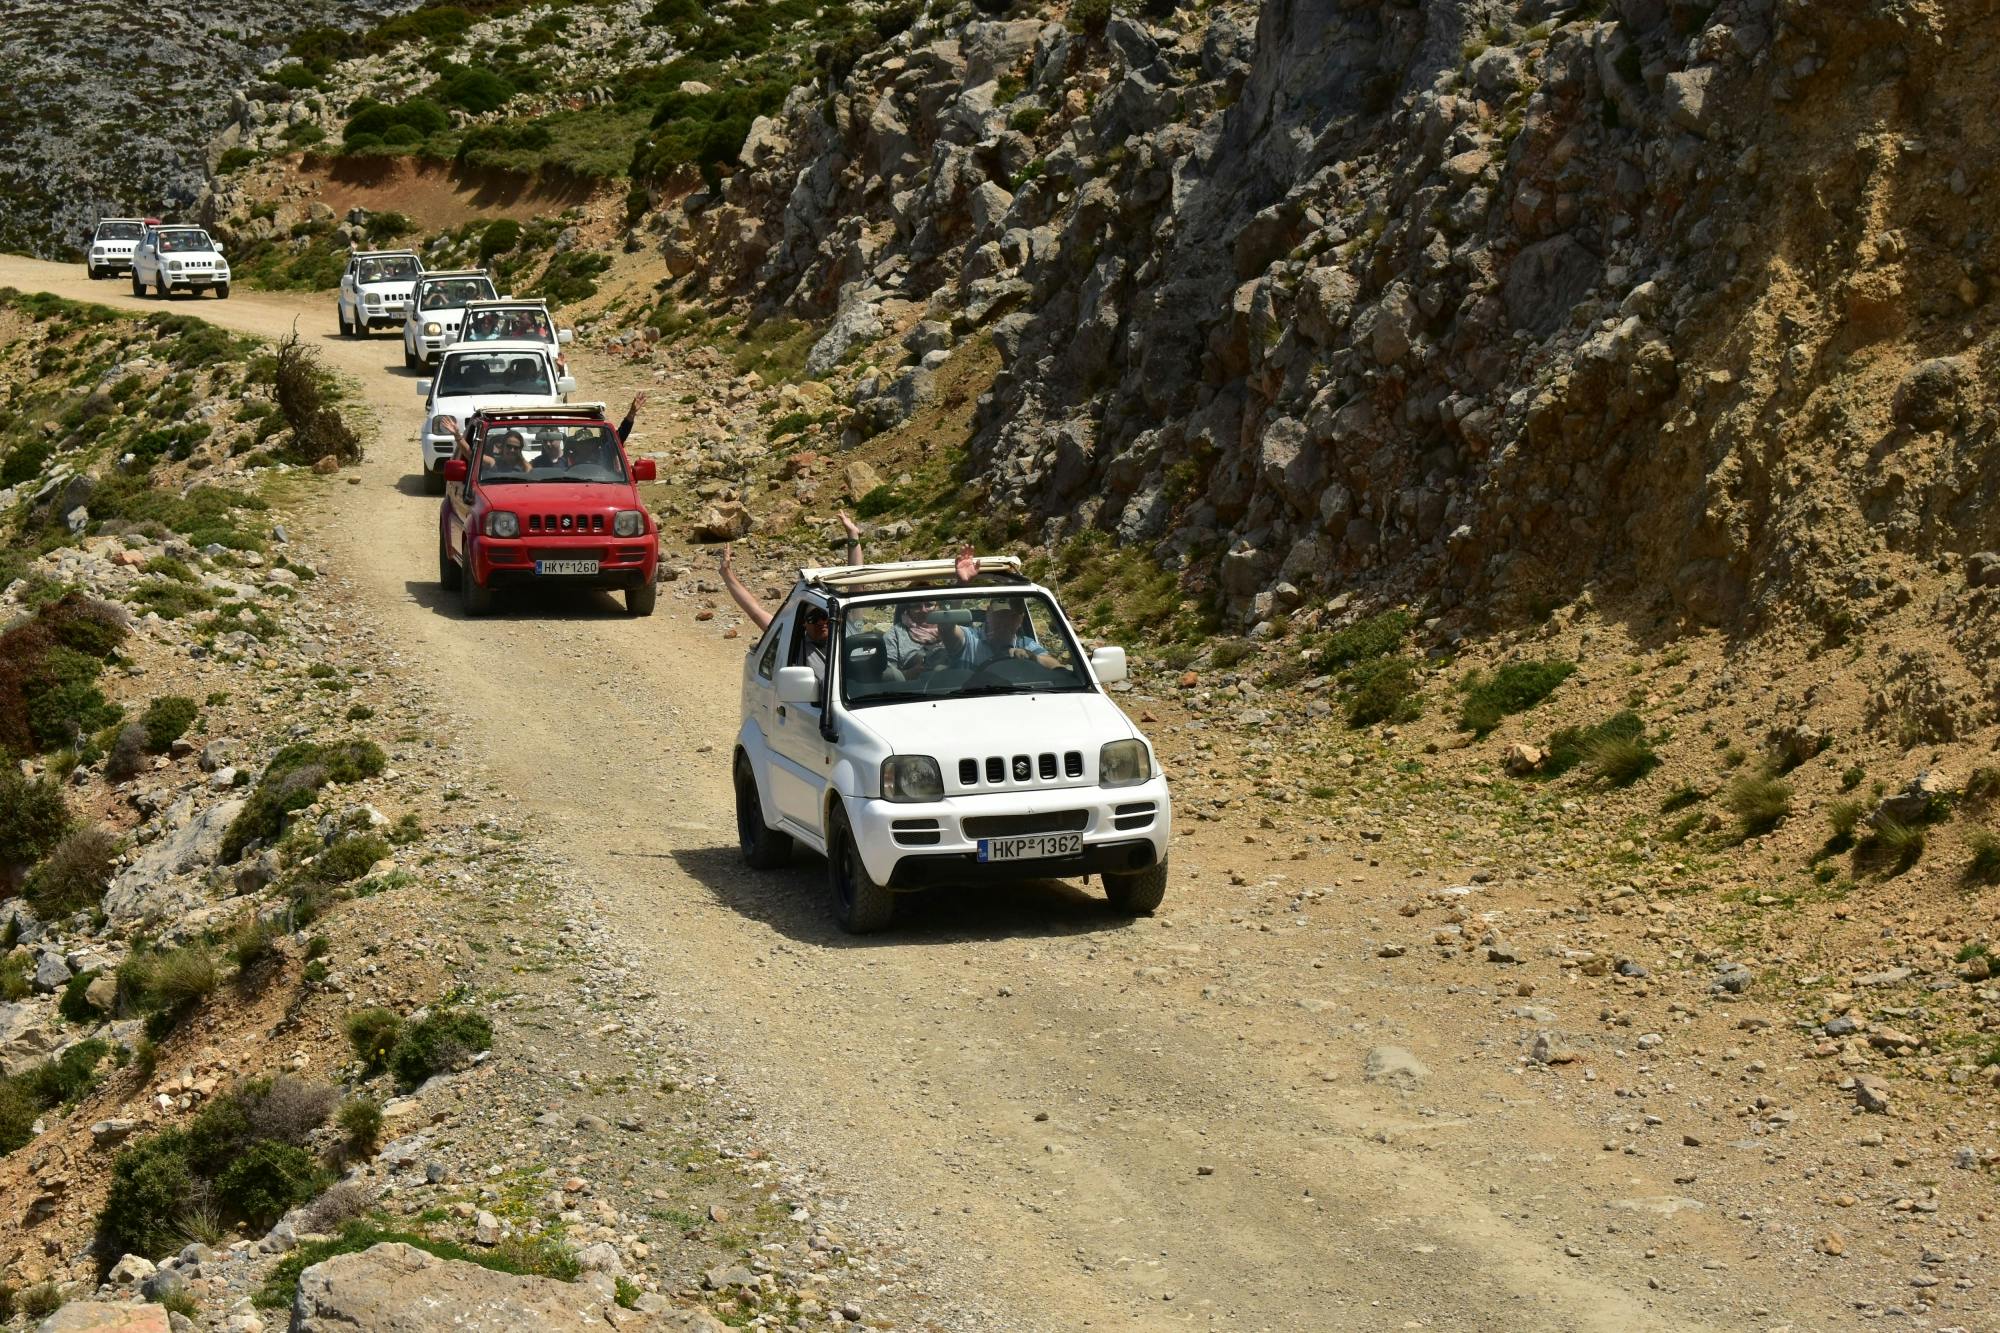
column 464, row 406
column 954, row 729
column 570, row 495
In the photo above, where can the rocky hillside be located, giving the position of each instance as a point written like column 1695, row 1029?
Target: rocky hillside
column 109, row 111
column 1481, row 304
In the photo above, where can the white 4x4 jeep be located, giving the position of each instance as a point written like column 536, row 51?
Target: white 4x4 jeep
column 437, row 309
column 176, row 257
column 375, row 289
column 109, row 249
column 921, row 732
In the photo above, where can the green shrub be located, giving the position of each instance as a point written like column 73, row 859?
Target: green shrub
column 152, row 1182
column 374, row 1033
column 1385, row 690
column 44, row 1087
column 234, row 159
column 1614, row 751
column 301, row 390
column 1759, row 803
column 500, row 236
column 1984, row 867
column 1514, row 688
column 49, row 665
column 292, row 782
column 41, row 1300
column 265, row 1179
column 128, row 753
column 75, row 873
column 1089, row 17
column 444, row 1042
column 1893, row 845
column 350, row 857
column 166, row 720
column 475, row 89
column 75, row 1003
column 33, row 817
column 17, row 976
column 1982, row 785
column 1363, row 641
column 1841, row 818
column 360, row 1123
column 24, row 461
column 253, row 947
column 383, row 227
column 167, row 986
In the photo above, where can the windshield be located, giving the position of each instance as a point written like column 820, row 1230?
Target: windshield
column 396, row 268
column 526, row 324
column 541, row 452
column 479, row 374
column 932, row 646
column 451, row 293
column 119, row 231
column 181, row 242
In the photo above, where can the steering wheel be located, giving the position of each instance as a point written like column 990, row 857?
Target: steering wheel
column 1008, row 671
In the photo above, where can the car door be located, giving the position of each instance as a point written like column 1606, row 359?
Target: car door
column 801, row 759
column 142, row 256
column 458, row 500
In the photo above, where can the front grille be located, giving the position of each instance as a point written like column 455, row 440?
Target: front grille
column 1133, row 816
column 1007, row 826
column 565, row 523
column 1001, row 769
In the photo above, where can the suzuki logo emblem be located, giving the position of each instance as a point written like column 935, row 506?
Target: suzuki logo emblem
column 1021, row 769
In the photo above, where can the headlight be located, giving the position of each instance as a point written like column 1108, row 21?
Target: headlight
column 438, row 425
column 500, row 523
column 432, row 329
column 372, row 298
column 173, row 266
column 1123, row 764
column 628, row 523
column 911, row 777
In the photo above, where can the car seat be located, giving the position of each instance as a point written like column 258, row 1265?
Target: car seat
column 867, row 659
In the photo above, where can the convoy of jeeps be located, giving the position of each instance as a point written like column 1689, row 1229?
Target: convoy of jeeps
column 918, row 725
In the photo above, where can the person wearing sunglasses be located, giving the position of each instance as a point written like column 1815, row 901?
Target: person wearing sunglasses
column 915, row 643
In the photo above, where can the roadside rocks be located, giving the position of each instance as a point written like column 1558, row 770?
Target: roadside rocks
column 1395, row 1067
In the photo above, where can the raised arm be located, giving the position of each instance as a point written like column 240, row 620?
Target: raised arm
column 742, row 595
column 631, row 416
column 854, row 556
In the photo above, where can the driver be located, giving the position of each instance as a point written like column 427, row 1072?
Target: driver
column 1005, row 639
column 551, row 442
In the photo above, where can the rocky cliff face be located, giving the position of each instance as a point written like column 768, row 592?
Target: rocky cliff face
column 110, row 108
column 1478, row 303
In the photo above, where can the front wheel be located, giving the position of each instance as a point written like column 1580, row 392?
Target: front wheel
column 764, row 848
column 91, row 272
column 449, row 573
column 433, row 481
column 222, row 291
column 860, row 905
column 138, row 287
column 472, row 599
column 410, row 362
column 1138, row 892
column 640, row 597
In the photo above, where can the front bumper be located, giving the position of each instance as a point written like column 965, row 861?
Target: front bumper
column 1118, row 833
column 197, row 278
column 373, row 315
column 437, row 448
column 509, row 562
column 111, row 263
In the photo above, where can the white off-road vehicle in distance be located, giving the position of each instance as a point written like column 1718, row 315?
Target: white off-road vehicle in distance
column 512, row 319
column 437, row 309
column 482, row 375
column 172, row 257
column 110, row 247
column 923, row 733
column 375, row 289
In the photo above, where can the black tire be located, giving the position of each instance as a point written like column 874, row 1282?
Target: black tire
column 410, row 362
column 763, row 847
column 860, row 905
column 161, row 290
column 472, row 599
column 640, row 597
column 222, row 291
column 433, row 481
column 91, row 271
column 1139, row 892
column 449, row 573
column 340, row 317
column 138, row 287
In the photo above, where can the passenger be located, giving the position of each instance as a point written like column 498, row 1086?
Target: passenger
column 915, row 644
column 632, row 415
column 509, row 454
column 485, row 326
column 551, row 455
column 744, row 598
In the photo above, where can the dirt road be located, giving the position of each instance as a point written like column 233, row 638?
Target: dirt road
column 1078, row 1122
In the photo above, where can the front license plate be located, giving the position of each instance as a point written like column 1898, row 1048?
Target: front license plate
column 1031, row 847
column 565, row 566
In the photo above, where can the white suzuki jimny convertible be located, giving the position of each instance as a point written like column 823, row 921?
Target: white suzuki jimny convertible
column 922, row 732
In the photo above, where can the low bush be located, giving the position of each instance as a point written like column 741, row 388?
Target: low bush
column 1982, row 785
column 17, row 975
column 49, row 665
column 1841, row 819
column 45, row 1086
column 292, row 782
column 500, row 236
column 442, row 1043
column 167, row 986
column 1759, row 803
column 241, row 1161
column 253, row 948
column 1363, row 641
column 1514, row 688
column 374, row 1033
column 75, row 873
column 128, row 753
column 166, row 720
column 1984, row 865
column 1614, row 751
column 33, row 817
column 548, row 1259
column 350, row 858
column 1892, row 846
column 75, row 1004
column 1384, row 690
column 361, row 1123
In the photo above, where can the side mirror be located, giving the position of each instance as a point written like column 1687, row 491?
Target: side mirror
column 797, row 685
column 424, row 388
column 454, row 469
column 565, row 335
column 1109, row 664
column 643, row 469
column 216, row 246
column 565, row 384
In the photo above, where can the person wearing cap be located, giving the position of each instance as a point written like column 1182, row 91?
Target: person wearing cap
column 1003, row 638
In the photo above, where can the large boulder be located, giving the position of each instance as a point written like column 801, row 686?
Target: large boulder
column 189, row 841
column 105, row 1317
column 400, row 1289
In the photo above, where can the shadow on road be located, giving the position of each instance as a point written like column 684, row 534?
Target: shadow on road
column 522, row 603
column 797, row 902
